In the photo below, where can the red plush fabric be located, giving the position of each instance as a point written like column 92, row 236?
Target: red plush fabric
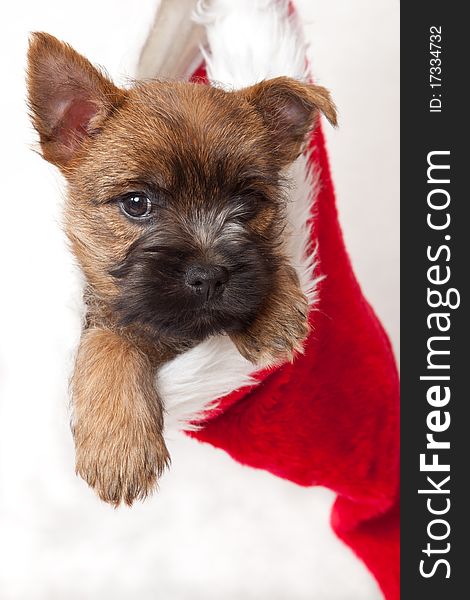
column 332, row 417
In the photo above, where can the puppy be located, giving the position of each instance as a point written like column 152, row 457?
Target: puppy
column 175, row 212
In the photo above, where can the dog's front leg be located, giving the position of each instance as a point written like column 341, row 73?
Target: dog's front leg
column 118, row 418
column 278, row 332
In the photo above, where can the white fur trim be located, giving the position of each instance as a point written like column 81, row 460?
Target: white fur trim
column 248, row 41
column 251, row 40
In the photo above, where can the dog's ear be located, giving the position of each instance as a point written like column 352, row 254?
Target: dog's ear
column 290, row 109
column 69, row 98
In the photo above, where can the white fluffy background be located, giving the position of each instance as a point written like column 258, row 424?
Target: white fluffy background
column 216, row 530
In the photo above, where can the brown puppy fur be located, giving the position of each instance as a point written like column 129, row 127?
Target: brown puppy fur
column 175, row 213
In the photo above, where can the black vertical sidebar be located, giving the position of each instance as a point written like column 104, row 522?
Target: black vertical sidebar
column 434, row 119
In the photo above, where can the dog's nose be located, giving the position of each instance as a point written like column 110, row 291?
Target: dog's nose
column 206, row 280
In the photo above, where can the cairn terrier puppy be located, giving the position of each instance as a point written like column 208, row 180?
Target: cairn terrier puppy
column 175, row 212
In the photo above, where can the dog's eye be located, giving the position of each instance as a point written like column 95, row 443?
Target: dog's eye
column 247, row 206
column 136, row 206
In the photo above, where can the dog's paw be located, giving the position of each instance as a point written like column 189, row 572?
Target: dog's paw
column 278, row 338
column 121, row 465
